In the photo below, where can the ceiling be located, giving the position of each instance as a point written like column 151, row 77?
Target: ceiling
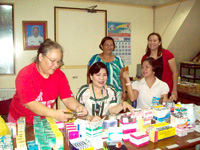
column 146, row 3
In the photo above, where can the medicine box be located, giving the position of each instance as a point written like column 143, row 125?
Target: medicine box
column 179, row 122
column 161, row 131
column 161, row 114
column 80, row 144
column 139, row 138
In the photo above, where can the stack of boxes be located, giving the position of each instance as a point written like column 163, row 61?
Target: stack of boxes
column 188, row 87
column 47, row 134
column 6, row 142
column 129, row 125
column 21, row 134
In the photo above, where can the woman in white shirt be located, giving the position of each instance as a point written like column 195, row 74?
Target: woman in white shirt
column 98, row 97
column 148, row 88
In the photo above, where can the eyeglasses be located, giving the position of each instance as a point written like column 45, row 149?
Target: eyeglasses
column 60, row 63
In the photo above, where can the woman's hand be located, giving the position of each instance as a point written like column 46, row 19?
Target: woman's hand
column 126, row 105
column 61, row 116
column 93, row 118
column 173, row 96
column 82, row 109
column 126, row 76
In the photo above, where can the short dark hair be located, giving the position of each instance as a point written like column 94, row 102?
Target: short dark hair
column 148, row 51
column 95, row 68
column 47, row 46
column 105, row 39
column 36, row 27
column 152, row 62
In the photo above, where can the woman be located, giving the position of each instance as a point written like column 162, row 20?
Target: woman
column 167, row 70
column 39, row 84
column 98, row 97
column 148, row 87
column 114, row 64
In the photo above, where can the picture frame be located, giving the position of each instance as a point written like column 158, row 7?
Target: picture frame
column 34, row 33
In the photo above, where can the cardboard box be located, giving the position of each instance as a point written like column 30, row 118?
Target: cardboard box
column 161, row 114
column 179, row 122
column 157, row 134
column 188, row 87
column 139, row 138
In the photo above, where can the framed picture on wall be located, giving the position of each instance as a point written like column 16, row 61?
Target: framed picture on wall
column 34, row 33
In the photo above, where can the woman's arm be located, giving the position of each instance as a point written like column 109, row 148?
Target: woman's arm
column 42, row 110
column 121, row 106
column 88, row 77
column 165, row 97
column 74, row 105
column 172, row 64
column 123, row 83
column 132, row 94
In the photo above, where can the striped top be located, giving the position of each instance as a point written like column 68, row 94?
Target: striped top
column 113, row 67
column 85, row 97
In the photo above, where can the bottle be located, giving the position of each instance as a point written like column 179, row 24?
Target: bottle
column 179, row 80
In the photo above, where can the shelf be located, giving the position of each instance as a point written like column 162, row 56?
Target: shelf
column 190, row 66
column 197, row 77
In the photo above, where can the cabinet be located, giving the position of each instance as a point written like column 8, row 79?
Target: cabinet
column 191, row 69
column 186, row 98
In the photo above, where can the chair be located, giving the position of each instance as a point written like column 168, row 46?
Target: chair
column 4, row 108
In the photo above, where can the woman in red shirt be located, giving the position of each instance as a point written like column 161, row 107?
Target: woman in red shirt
column 39, row 84
column 167, row 69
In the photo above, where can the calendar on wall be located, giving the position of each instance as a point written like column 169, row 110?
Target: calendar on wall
column 121, row 33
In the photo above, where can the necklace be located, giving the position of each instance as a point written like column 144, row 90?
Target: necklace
column 97, row 110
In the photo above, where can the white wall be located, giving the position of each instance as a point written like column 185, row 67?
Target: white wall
column 141, row 20
column 169, row 19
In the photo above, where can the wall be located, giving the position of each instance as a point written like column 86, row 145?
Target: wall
column 44, row 10
column 186, row 40
column 141, row 19
column 179, row 27
column 169, row 19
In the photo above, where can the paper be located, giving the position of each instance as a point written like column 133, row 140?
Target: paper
column 96, row 124
column 172, row 146
column 193, row 140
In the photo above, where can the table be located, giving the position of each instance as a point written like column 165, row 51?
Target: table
column 186, row 98
column 181, row 141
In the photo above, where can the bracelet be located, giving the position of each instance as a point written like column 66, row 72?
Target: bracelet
column 129, row 83
column 125, row 91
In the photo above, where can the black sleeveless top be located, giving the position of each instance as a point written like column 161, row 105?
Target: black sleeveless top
column 159, row 69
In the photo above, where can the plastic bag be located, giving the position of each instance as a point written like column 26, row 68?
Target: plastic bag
column 190, row 112
column 4, row 130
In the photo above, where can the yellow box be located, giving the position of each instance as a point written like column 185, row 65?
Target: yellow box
column 156, row 135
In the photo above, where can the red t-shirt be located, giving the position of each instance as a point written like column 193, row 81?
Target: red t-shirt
column 31, row 86
column 167, row 73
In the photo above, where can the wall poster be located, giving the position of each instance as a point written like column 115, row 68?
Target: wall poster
column 121, row 33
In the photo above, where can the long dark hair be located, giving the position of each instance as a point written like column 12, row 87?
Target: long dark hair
column 105, row 39
column 148, row 51
column 152, row 62
column 95, row 68
column 47, row 46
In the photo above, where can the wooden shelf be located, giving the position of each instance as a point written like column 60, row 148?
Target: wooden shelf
column 190, row 66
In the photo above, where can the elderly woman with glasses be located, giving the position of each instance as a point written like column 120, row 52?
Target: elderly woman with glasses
column 39, row 84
